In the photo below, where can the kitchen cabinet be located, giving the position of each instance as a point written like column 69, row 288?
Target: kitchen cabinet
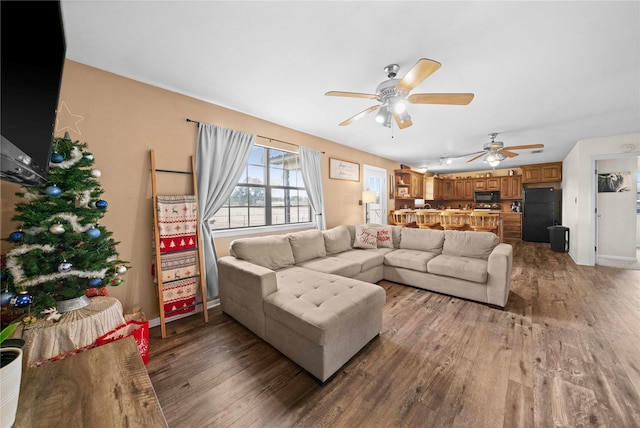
column 408, row 187
column 542, row 173
column 511, row 225
column 511, row 187
column 463, row 189
column 448, row 189
column 432, row 187
column 489, row 183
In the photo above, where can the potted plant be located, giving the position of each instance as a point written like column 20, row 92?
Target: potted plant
column 10, row 377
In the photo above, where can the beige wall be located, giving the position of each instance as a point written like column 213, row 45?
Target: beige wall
column 121, row 120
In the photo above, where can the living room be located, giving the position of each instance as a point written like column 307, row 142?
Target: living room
column 122, row 119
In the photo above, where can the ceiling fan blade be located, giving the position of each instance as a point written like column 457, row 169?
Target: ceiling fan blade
column 474, row 158
column 453, row 99
column 507, row 153
column 407, row 123
column 530, row 146
column 360, row 115
column 423, row 69
column 351, row 94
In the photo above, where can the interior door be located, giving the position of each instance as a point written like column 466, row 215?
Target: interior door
column 374, row 179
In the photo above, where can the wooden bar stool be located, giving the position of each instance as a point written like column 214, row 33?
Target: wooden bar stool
column 401, row 218
column 428, row 219
column 482, row 221
column 453, row 220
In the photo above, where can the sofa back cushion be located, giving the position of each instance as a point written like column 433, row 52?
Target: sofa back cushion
column 307, row 245
column 477, row 245
column 430, row 240
column 337, row 240
column 273, row 252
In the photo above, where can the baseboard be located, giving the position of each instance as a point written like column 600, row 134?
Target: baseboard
column 210, row 304
column 618, row 258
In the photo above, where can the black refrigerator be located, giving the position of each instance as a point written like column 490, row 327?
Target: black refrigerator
column 540, row 209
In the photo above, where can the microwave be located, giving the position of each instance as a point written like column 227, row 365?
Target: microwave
column 493, row 196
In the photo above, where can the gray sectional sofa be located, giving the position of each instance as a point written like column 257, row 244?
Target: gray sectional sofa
column 312, row 295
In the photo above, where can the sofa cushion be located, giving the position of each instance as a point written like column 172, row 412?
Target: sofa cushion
column 430, row 240
column 334, row 265
column 469, row 244
column 366, row 258
column 366, row 237
column 273, row 252
column 320, row 307
column 307, row 245
column 337, row 240
column 409, row 259
column 467, row 268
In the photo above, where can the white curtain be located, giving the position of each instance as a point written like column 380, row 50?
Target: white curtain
column 221, row 156
column 312, row 175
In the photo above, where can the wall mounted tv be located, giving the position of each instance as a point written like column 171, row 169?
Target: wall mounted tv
column 32, row 60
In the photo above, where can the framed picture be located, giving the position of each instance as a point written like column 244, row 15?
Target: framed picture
column 403, row 192
column 614, row 182
column 344, row 170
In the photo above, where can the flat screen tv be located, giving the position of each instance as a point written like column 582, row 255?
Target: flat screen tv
column 32, row 61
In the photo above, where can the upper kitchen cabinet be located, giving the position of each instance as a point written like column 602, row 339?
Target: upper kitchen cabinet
column 542, row 173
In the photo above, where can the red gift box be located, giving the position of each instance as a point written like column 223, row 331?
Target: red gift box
column 138, row 329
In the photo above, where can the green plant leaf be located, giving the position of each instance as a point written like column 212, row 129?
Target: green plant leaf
column 8, row 331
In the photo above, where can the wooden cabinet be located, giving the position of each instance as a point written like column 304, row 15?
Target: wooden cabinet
column 489, row 183
column 542, row 173
column 432, row 187
column 408, row 186
column 511, row 225
column 463, row 189
column 448, row 191
column 511, row 187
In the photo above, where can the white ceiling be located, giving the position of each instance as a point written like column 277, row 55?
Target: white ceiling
column 542, row 72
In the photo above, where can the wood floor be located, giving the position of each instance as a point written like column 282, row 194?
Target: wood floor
column 565, row 352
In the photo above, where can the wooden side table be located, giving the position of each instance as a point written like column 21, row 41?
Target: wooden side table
column 107, row 386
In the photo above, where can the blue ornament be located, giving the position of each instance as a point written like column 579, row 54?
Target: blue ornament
column 3, row 276
column 21, row 300
column 94, row 232
column 53, row 190
column 56, row 158
column 16, row 236
column 102, row 204
column 6, row 297
column 95, row 282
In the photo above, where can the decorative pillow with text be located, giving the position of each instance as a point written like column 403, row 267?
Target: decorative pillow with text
column 384, row 237
column 366, row 237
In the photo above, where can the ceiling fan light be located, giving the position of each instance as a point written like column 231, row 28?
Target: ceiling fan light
column 399, row 107
column 383, row 115
column 404, row 117
column 491, row 157
column 387, row 121
column 494, row 163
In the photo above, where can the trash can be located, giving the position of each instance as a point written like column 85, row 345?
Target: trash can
column 559, row 238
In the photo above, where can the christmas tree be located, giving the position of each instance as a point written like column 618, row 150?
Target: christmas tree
column 61, row 250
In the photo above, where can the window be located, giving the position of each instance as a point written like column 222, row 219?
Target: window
column 270, row 192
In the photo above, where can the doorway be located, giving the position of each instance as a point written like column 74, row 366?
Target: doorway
column 618, row 212
column 374, row 179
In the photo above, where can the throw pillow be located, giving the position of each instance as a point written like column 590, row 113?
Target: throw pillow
column 366, row 237
column 384, row 237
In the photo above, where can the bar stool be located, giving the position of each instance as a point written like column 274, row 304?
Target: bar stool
column 482, row 221
column 401, row 218
column 428, row 219
column 453, row 220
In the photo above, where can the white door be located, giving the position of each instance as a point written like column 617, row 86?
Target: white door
column 374, row 179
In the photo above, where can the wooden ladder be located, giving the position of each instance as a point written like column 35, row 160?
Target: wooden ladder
column 158, row 262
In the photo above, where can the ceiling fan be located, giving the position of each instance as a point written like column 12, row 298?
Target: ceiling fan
column 393, row 94
column 495, row 151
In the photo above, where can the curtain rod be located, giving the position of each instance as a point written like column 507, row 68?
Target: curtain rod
column 261, row 136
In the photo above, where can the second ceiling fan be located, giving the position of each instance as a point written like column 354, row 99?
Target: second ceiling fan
column 495, row 151
column 393, row 94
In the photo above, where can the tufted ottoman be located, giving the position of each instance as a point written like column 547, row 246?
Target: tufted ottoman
column 321, row 320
